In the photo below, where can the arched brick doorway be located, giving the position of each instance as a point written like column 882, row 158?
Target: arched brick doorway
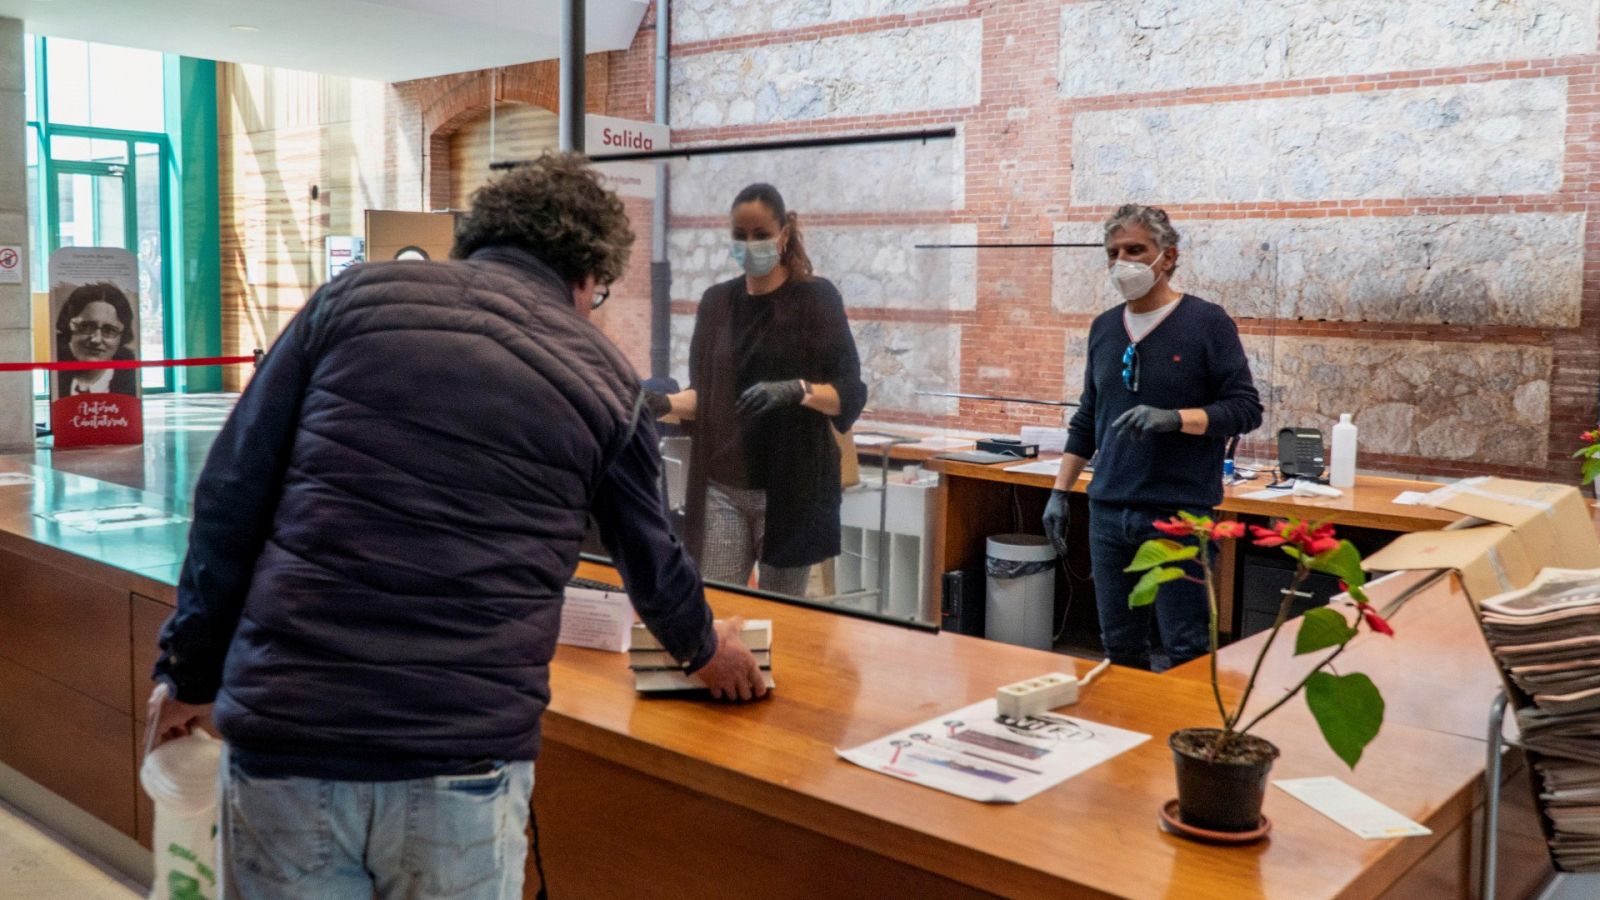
column 452, row 102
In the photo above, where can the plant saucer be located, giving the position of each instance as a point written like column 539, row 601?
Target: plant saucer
column 1172, row 824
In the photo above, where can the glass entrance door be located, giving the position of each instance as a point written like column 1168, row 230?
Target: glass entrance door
column 110, row 190
column 92, row 206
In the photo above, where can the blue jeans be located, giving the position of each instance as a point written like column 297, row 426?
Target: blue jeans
column 447, row 838
column 1115, row 534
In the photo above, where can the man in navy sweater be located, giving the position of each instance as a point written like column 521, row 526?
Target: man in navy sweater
column 1165, row 385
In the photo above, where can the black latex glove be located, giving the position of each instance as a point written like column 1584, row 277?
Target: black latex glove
column 1055, row 522
column 1143, row 421
column 657, row 404
column 766, row 396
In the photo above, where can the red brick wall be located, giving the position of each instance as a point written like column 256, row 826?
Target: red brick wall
column 1018, row 187
column 1015, row 327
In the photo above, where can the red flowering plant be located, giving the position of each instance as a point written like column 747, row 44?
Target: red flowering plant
column 1590, row 455
column 1348, row 707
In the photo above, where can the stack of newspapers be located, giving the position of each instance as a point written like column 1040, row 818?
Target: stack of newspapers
column 1547, row 638
column 656, row 672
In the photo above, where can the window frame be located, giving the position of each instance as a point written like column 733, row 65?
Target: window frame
column 47, row 227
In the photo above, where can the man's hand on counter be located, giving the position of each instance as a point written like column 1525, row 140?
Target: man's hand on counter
column 170, row 719
column 732, row 673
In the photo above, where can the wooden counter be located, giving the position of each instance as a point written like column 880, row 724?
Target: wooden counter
column 977, row 501
column 751, row 800
column 1436, row 632
column 666, row 798
column 1367, row 505
column 1435, row 674
column 79, row 613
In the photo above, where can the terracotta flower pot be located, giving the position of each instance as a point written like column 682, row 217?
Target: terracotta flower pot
column 1224, row 794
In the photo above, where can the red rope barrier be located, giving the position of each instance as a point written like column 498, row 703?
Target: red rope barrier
column 89, row 366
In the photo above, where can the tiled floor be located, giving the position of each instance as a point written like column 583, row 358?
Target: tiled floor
column 1573, row 887
column 37, row 864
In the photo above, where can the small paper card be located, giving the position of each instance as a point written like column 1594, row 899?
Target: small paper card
column 1050, row 466
column 112, row 518
column 1350, row 808
column 937, row 442
column 599, row 620
column 1267, row 494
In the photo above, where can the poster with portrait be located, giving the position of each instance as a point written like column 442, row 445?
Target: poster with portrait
column 94, row 313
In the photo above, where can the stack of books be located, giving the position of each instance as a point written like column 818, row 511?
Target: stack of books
column 656, row 672
column 1547, row 638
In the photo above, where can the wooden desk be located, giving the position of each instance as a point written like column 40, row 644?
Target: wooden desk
column 1367, row 505
column 752, row 801
column 1435, row 674
column 651, row 798
column 977, row 501
column 1439, row 636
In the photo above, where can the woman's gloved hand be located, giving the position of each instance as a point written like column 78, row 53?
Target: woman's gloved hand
column 657, row 404
column 766, row 396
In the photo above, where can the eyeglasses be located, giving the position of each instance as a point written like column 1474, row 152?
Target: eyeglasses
column 601, row 295
column 88, row 329
column 1130, row 368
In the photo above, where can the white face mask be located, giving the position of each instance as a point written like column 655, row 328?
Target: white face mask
column 756, row 258
column 1131, row 280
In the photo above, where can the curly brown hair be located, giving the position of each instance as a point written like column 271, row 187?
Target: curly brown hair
column 555, row 208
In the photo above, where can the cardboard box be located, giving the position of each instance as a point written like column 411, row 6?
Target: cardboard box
column 1512, row 530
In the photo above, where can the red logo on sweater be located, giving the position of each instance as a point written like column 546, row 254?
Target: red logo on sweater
column 1177, row 358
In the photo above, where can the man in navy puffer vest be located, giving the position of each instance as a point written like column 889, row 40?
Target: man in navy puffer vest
column 382, row 536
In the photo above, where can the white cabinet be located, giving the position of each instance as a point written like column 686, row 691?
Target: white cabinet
column 905, row 547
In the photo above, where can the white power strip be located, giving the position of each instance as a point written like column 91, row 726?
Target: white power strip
column 1025, row 698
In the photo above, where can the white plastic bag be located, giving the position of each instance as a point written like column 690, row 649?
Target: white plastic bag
column 181, row 778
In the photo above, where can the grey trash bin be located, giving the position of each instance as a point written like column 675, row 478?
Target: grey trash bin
column 1020, row 607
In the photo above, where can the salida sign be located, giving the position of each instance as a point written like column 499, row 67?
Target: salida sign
column 625, row 139
column 605, row 134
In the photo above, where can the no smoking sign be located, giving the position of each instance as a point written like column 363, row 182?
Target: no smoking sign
column 10, row 265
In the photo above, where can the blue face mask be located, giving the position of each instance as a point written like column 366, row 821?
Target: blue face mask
column 756, row 258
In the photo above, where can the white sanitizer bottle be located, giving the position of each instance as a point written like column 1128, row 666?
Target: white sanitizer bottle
column 1342, row 465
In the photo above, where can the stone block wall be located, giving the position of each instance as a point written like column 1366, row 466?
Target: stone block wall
column 1392, row 199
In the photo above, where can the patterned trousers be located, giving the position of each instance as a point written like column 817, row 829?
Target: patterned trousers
column 736, row 524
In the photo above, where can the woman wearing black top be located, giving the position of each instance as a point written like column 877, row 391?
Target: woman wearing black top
column 772, row 371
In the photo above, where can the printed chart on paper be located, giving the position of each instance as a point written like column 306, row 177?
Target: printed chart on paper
column 974, row 753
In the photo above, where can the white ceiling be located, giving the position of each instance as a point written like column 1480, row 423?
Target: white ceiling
column 385, row 40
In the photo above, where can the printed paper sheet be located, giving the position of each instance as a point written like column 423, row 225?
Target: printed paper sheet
column 973, row 753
